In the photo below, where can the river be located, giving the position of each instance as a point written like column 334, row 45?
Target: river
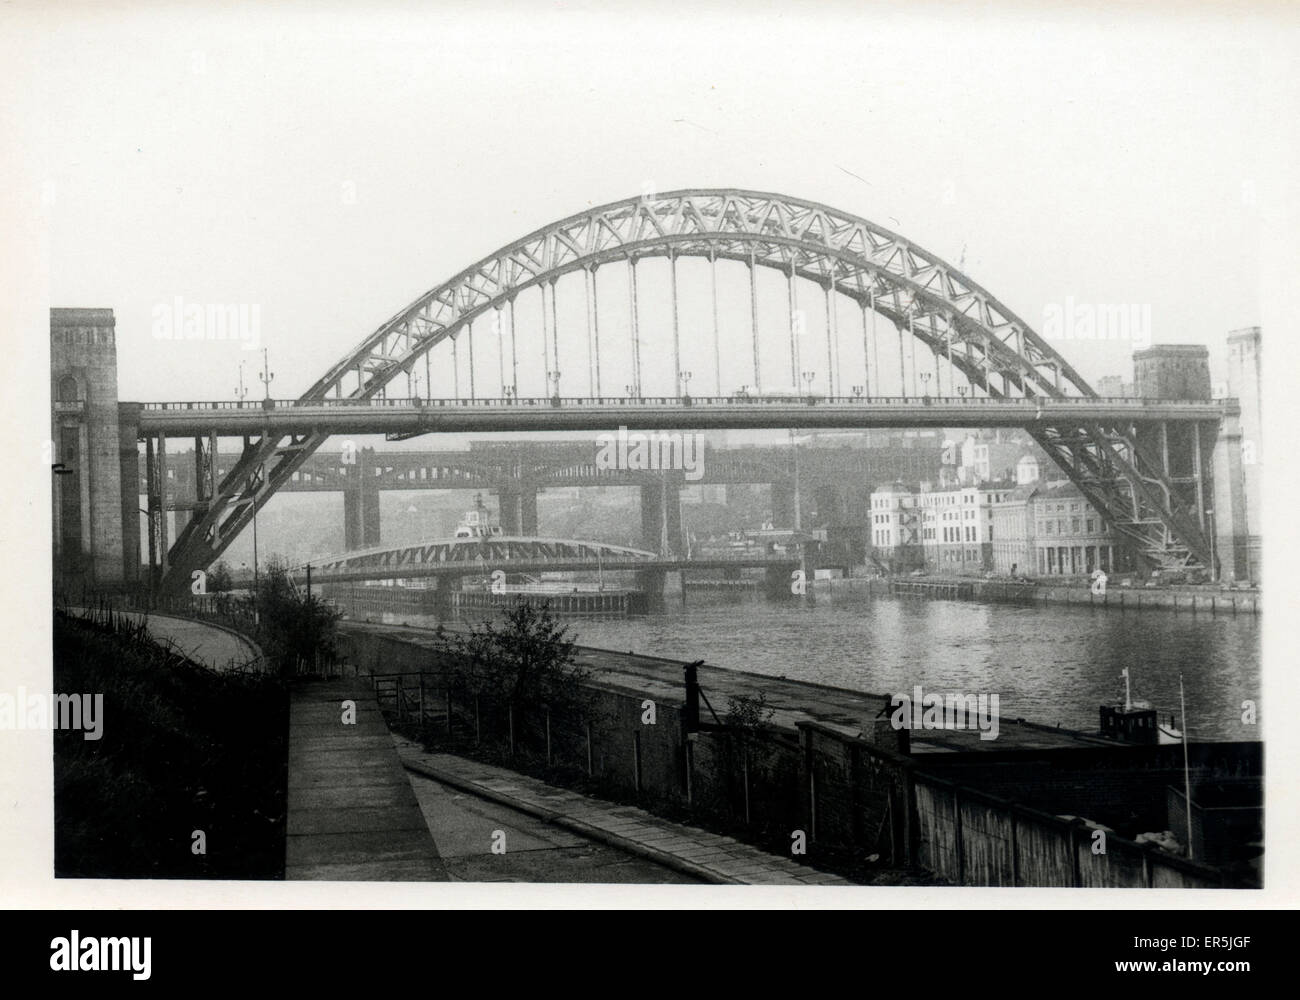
column 1051, row 664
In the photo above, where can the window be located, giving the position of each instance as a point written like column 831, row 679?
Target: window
column 68, row 392
column 1074, row 525
column 1092, row 526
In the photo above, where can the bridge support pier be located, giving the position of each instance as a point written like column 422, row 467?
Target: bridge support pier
column 361, row 504
column 776, row 583
column 661, row 518
column 783, row 503
column 518, row 507
column 652, row 582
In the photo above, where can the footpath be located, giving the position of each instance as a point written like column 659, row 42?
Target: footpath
column 352, row 815
column 706, row 856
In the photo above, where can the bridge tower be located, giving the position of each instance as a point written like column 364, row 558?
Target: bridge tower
column 95, row 504
column 361, row 502
column 1183, row 452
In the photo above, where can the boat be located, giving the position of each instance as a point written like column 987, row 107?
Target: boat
column 478, row 523
column 1137, row 721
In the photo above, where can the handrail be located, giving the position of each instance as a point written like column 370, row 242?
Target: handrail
column 999, row 402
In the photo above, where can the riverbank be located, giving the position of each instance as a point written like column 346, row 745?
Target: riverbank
column 1188, row 600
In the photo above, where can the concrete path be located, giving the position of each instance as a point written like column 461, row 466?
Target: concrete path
column 202, row 642
column 705, row 856
column 466, row 828
column 352, row 815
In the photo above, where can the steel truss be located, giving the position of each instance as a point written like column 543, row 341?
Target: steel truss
column 963, row 325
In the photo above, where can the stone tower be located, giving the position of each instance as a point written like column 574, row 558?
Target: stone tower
column 96, row 521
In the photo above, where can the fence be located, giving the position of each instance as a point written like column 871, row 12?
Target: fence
column 853, row 796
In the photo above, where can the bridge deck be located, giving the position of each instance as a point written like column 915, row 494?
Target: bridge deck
column 407, row 417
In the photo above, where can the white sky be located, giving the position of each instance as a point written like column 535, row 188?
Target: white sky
column 205, row 157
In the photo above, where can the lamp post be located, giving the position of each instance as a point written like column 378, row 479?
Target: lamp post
column 962, row 390
column 686, row 383
column 241, row 390
column 857, row 392
column 266, row 375
column 808, row 380
column 630, row 390
column 925, row 384
column 554, row 379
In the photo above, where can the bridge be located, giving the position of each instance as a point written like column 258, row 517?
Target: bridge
column 838, row 478
column 1144, row 464
column 455, row 558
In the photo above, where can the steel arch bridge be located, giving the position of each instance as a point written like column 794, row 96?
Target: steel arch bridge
column 1122, row 465
column 468, row 554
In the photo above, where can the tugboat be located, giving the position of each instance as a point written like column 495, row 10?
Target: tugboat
column 478, row 523
column 1137, row 721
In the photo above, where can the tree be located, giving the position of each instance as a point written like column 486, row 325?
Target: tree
column 219, row 580
column 293, row 626
column 528, row 662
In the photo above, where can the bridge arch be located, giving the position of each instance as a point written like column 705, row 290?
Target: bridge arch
column 943, row 310
column 926, row 299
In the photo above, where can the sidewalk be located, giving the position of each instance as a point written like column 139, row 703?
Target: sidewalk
column 692, row 851
column 203, row 642
column 352, row 815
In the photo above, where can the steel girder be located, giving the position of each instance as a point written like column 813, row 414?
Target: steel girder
column 941, row 307
column 1131, row 492
column 477, row 553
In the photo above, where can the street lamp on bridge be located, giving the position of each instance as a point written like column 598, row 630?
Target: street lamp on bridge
column 808, row 379
column 925, row 384
column 266, row 375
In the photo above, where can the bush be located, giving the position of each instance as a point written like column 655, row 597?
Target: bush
column 527, row 663
column 293, row 627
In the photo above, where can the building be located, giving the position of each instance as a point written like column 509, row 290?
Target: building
column 957, row 527
column 895, row 526
column 1028, row 470
column 943, row 530
column 1070, row 537
column 1114, row 387
column 1013, row 532
column 1050, row 529
column 96, row 520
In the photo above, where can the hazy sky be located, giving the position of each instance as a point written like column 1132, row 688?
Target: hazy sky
column 330, row 168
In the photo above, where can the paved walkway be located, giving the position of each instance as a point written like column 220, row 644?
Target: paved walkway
column 529, row 849
column 202, row 642
column 706, row 856
column 352, row 815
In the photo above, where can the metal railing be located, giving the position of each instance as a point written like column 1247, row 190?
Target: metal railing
column 973, row 402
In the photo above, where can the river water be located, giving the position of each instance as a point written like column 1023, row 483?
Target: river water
column 1051, row 664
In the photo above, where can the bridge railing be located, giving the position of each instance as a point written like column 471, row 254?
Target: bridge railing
column 810, row 399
